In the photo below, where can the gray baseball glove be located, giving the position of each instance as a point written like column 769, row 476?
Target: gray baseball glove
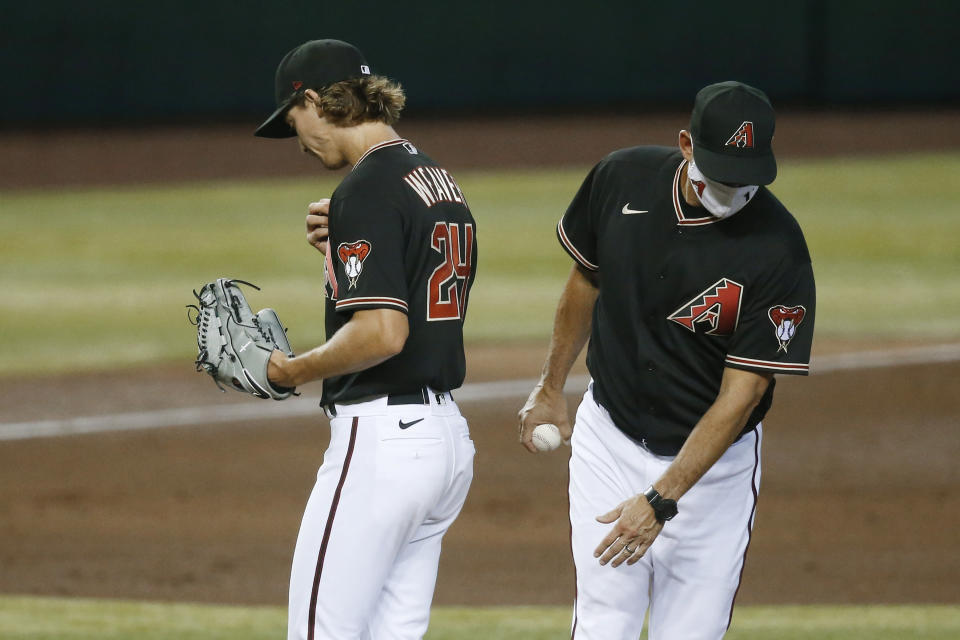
column 234, row 343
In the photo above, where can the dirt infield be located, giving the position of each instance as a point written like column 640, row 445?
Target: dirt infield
column 860, row 500
column 79, row 158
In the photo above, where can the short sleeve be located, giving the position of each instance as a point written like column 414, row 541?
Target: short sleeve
column 367, row 242
column 575, row 229
column 775, row 332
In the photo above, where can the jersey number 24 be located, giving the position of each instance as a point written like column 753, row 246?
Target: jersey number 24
column 450, row 282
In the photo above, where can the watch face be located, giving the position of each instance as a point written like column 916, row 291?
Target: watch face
column 667, row 509
column 663, row 508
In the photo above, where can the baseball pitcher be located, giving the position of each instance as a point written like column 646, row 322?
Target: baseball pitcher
column 400, row 255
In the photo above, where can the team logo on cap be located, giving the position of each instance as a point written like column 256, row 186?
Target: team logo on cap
column 352, row 256
column 742, row 137
column 297, row 84
column 786, row 320
column 717, row 307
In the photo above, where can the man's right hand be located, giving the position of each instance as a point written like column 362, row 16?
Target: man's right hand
column 318, row 224
column 544, row 406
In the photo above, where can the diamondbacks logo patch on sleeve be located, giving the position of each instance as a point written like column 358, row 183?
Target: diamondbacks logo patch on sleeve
column 352, row 255
column 716, row 308
column 786, row 320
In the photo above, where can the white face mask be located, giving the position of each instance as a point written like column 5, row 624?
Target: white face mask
column 717, row 198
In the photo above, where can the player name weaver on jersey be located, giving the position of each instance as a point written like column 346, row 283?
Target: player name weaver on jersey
column 433, row 185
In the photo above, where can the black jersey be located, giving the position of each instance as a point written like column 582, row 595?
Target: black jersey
column 401, row 237
column 683, row 294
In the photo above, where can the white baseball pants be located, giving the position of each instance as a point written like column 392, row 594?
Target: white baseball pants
column 690, row 575
column 366, row 559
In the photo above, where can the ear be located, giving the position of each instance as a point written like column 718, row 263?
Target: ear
column 313, row 97
column 686, row 144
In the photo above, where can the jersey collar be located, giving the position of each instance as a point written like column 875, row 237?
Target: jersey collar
column 380, row 145
column 678, row 207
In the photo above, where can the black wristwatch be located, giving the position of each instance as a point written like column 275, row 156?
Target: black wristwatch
column 663, row 508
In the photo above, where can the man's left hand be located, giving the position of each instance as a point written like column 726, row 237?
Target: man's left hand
column 635, row 530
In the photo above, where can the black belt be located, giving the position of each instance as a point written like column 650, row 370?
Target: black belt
column 414, row 397
column 419, row 396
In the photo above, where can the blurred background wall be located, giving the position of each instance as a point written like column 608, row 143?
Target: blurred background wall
column 102, row 61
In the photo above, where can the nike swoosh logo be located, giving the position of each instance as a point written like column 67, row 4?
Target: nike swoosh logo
column 407, row 425
column 627, row 210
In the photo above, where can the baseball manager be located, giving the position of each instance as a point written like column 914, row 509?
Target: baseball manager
column 694, row 286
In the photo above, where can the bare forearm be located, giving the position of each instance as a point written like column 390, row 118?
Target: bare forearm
column 571, row 328
column 714, row 433
column 335, row 358
column 367, row 340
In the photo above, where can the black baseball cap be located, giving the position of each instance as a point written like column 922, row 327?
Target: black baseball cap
column 732, row 127
column 313, row 65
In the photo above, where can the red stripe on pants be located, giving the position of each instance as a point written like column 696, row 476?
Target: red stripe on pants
column 312, row 619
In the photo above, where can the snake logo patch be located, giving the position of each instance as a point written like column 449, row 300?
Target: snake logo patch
column 786, row 320
column 742, row 137
column 699, row 185
column 352, row 255
column 717, row 307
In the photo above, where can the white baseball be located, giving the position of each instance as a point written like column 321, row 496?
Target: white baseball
column 546, row 437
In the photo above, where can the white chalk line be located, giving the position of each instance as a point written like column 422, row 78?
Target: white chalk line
column 473, row 392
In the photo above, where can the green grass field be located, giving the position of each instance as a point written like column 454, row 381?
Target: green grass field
column 94, row 278
column 74, row 619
